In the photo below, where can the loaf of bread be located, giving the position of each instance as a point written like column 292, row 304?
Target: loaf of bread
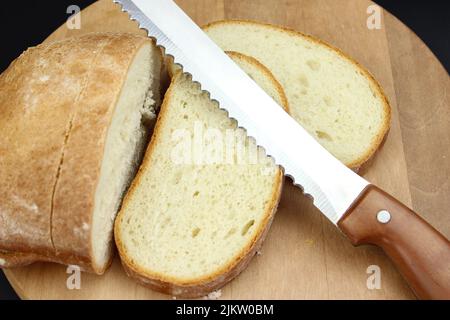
column 329, row 94
column 188, row 227
column 75, row 117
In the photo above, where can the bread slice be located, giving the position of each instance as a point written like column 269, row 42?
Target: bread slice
column 74, row 121
column 188, row 227
column 330, row 94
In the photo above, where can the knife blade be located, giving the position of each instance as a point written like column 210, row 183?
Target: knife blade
column 362, row 211
column 234, row 90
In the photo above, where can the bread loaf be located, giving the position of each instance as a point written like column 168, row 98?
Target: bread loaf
column 74, row 121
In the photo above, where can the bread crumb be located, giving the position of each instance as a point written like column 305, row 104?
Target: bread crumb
column 213, row 295
column 2, row 262
column 259, row 253
column 85, row 226
column 174, row 298
column 309, row 242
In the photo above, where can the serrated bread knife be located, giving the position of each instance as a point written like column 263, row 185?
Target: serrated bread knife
column 363, row 212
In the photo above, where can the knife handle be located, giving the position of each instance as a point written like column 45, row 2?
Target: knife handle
column 420, row 252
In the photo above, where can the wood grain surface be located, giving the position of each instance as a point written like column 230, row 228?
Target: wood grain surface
column 305, row 256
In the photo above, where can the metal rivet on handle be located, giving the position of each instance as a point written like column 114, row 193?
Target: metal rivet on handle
column 383, row 216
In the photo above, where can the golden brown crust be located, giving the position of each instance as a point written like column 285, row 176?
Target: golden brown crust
column 375, row 86
column 24, row 223
column 208, row 283
column 18, row 259
column 263, row 69
column 55, row 169
column 21, row 259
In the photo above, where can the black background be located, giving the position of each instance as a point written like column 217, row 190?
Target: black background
column 28, row 23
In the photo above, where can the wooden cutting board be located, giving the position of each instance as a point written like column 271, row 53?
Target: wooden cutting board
column 304, row 256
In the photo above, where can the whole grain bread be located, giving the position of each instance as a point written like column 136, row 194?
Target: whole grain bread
column 71, row 118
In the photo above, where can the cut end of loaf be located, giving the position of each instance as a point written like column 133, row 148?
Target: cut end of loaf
column 134, row 115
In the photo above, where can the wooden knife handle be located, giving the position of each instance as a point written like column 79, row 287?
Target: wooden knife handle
column 420, row 252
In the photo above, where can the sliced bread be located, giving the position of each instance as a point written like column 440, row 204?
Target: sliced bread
column 74, row 122
column 188, row 227
column 329, row 94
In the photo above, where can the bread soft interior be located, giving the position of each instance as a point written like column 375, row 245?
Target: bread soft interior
column 126, row 140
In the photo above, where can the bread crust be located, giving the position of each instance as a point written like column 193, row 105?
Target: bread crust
column 18, row 259
column 375, row 86
column 276, row 84
column 99, row 63
column 203, row 285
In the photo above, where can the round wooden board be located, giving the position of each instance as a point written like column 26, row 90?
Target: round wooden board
column 305, row 256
